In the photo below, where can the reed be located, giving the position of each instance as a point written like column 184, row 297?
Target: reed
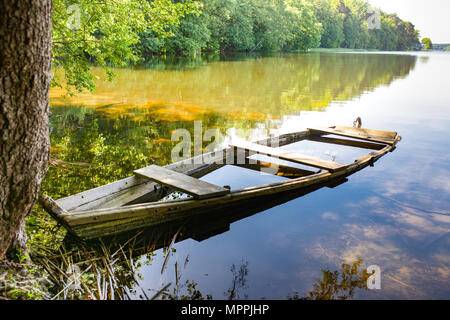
column 96, row 271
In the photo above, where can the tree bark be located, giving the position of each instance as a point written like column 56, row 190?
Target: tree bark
column 25, row 74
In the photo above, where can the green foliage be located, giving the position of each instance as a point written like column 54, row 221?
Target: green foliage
column 407, row 36
column 385, row 38
column 304, row 26
column 275, row 25
column 332, row 24
column 23, row 283
column 427, row 43
column 106, row 33
column 191, row 36
column 242, row 25
column 345, row 24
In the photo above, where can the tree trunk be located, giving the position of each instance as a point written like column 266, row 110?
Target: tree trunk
column 25, row 74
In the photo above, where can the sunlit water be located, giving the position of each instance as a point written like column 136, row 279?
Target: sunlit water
column 395, row 215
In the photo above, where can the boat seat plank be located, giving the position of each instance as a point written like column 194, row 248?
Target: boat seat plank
column 197, row 188
column 290, row 156
column 386, row 137
column 369, row 132
column 347, row 142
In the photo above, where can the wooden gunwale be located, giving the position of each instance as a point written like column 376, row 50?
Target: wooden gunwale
column 386, row 137
column 346, row 142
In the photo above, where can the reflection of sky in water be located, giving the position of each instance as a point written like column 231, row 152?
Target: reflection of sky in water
column 395, row 215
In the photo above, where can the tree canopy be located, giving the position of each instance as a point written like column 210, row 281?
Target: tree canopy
column 107, row 32
column 274, row 25
column 427, row 43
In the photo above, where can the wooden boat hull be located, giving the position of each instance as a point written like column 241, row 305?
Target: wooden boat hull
column 128, row 204
column 198, row 226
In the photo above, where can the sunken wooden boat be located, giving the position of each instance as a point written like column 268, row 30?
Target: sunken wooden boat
column 134, row 203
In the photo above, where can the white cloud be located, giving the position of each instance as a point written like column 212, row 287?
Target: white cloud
column 330, row 216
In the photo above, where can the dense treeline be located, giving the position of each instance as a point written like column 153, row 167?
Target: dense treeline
column 274, row 25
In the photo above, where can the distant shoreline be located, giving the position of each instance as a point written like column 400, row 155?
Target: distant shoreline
column 441, row 46
column 436, row 47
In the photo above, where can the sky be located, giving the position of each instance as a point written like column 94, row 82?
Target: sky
column 431, row 17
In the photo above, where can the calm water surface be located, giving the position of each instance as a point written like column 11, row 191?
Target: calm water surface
column 395, row 215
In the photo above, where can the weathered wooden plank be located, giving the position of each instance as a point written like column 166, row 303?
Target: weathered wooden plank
column 290, row 156
column 242, row 160
column 56, row 211
column 144, row 193
column 346, row 142
column 130, row 191
column 98, row 223
column 178, row 181
column 74, row 201
column 369, row 132
column 362, row 134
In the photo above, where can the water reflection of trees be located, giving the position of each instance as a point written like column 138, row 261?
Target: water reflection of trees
column 337, row 285
column 248, row 89
column 340, row 284
column 239, row 281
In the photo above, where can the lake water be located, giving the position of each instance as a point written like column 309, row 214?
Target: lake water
column 395, row 215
